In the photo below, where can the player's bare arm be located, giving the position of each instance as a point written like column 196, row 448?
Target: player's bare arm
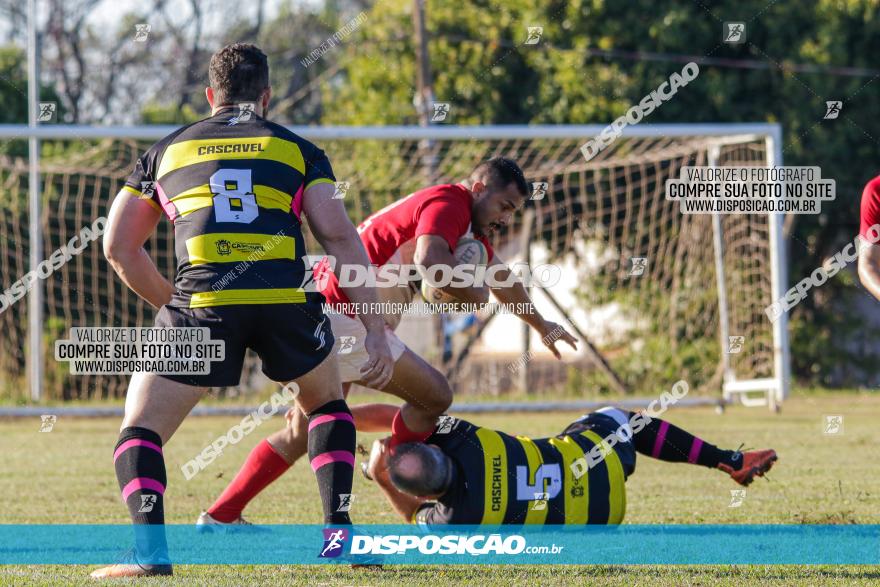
column 434, row 250
column 130, row 223
column 517, row 298
column 333, row 229
column 869, row 268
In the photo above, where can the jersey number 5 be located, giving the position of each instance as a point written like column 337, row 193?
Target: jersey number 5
column 234, row 200
column 548, row 482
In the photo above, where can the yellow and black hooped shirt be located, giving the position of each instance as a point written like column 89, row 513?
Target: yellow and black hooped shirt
column 233, row 186
column 504, row 479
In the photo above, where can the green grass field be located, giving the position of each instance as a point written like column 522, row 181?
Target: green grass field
column 66, row 477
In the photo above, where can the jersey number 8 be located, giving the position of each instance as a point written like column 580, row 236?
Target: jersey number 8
column 234, row 200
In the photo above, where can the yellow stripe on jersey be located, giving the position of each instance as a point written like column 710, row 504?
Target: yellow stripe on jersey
column 533, row 455
column 140, row 196
column 201, row 197
column 268, row 197
column 185, row 153
column 232, row 247
column 495, row 486
column 232, row 297
column 320, row 180
column 616, row 480
column 193, row 199
column 577, row 491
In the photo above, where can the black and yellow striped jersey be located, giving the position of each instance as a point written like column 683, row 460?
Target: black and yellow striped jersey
column 504, row 479
column 233, row 186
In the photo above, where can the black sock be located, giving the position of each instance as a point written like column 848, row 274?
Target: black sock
column 331, row 452
column 667, row 442
column 140, row 470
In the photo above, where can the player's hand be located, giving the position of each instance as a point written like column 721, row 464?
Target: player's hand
column 377, row 371
column 376, row 466
column 551, row 333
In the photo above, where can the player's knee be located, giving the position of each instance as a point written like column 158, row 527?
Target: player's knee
column 619, row 415
column 440, row 397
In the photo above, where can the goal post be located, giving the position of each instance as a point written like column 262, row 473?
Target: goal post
column 706, row 277
column 770, row 391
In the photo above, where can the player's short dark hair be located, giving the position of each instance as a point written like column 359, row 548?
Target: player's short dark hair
column 430, row 475
column 238, row 73
column 502, row 172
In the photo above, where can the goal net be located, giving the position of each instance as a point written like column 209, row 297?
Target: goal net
column 655, row 296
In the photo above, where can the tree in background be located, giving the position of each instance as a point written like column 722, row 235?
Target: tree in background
column 13, row 96
column 595, row 59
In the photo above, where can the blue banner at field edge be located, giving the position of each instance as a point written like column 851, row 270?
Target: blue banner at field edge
column 405, row 544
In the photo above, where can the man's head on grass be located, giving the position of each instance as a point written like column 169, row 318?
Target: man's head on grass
column 420, row 469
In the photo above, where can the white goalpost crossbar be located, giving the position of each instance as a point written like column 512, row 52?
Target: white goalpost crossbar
column 770, row 390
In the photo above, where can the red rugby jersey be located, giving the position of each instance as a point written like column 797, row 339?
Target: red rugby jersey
column 390, row 234
column 870, row 210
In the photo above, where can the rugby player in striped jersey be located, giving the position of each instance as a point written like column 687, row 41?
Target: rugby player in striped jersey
column 466, row 474
column 235, row 186
column 423, row 229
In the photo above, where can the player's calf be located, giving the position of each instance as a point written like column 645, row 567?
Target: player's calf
column 331, row 437
column 667, row 442
column 264, row 464
column 291, row 442
column 331, row 444
column 427, row 394
column 429, row 400
column 140, row 470
column 154, row 408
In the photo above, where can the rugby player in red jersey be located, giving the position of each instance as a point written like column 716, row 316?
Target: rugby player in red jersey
column 869, row 231
column 422, row 229
column 232, row 184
